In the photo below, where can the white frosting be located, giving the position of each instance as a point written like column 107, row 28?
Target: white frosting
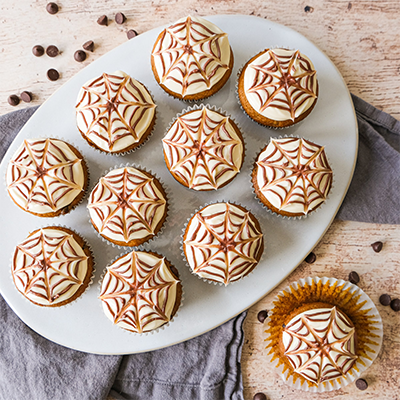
column 44, row 175
column 222, row 243
column 294, row 175
column 191, row 56
column 114, row 111
column 139, row 292
column 49, row 266
column 265, row 89
column 126, row 205
column 203, row 149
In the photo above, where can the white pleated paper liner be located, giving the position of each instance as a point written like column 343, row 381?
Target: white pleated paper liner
column 358, row 299
column 86, row 244
column 168, row 196
column 209, row 281
column 129, row 332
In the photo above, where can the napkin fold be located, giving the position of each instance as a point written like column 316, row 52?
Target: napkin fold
column 206, row 367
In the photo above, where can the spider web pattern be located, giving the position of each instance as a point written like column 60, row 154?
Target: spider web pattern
column 46, row 266
column 203, row 149
column 321, row 344
column 45, row 173
column 111, row 108
column 294, row 171
column 137, row 292
column 223, row 244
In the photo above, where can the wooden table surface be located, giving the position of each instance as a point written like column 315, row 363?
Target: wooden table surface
column 362, row 39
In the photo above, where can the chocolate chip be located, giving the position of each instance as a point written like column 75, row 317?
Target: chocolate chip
column 260, row 396
column 395, row 305
column 131, row 34
column 377, row 246
column 354, row 277
column 88, row 46
column 53, row 74
column 262, row 316
column 26, row 97
column 80, row 55
column 52, row 51
column 13, row 100
column 38, row 50
column 361, row 384
column 310, row 259
column 103, row 20
column 52, row 8
column 385, row 299
column 120, row 18
column 308, row 9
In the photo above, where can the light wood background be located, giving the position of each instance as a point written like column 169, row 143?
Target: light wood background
column 362, row 39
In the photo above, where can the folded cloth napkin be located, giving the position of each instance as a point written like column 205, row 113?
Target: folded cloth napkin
column 203, row 368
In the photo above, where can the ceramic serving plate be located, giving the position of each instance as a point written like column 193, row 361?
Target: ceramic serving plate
column 82, row 325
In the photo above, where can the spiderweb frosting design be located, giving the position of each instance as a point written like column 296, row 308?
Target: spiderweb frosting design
column 44, row 176
column 223, row 243
column 320, row 344
column 203, row 150
column 114, row 111
column 49, row 267
column 293, row 175
column 126, row 205
column 139, row 292
column 191, row 56
column 281, row 84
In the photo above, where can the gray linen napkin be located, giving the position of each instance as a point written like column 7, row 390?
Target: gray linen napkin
column 203, row 368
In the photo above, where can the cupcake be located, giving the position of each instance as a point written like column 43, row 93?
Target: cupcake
column 47, row 177
column 128, row 206
column 141, row 291
column 292, row 176
column 223, row 243
column 278, row 87
column 115, row 113
column 203, row 149
column 192, row 59
column 52, row 267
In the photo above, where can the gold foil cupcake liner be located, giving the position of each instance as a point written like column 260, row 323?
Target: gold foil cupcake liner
column 351, row 300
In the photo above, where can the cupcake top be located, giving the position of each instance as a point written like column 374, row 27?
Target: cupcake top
column 45, row 175
column 191, row 56
column 320, row 344
column 127, row 205
column 49, row 267
column 223, row 242
column 280, row 84
column 293, row 175
column 114, row 112
column 203, row 149
column 139, row 292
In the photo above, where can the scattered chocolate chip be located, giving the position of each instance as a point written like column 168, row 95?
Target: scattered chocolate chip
column 354, row 278
column 310, row 259
column 385, row 299
column 53, row 74
column 38, row 50
column 26, row 97
column 13, row 100
column 395, row 305
column 80, row 55
column 103, row 20
column 52, row 51
column 88, row 46
column 262, row 316
column 377, row 246
column 120, row 18
column 260, row 396
column 52, row 8
column 283, row 326
column 131, row 34
column 308, row 9
column 361, row 384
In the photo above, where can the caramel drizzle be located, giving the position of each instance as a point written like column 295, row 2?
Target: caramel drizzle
column 135, row 293
column 304, row 169
column 43, row 175
column 280, row 74
column 108, row 103
column 195, row 56
column 232, row 244
column 191, row 150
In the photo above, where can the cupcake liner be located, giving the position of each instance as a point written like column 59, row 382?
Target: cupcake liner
column 154, row 331
column 351, row 300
